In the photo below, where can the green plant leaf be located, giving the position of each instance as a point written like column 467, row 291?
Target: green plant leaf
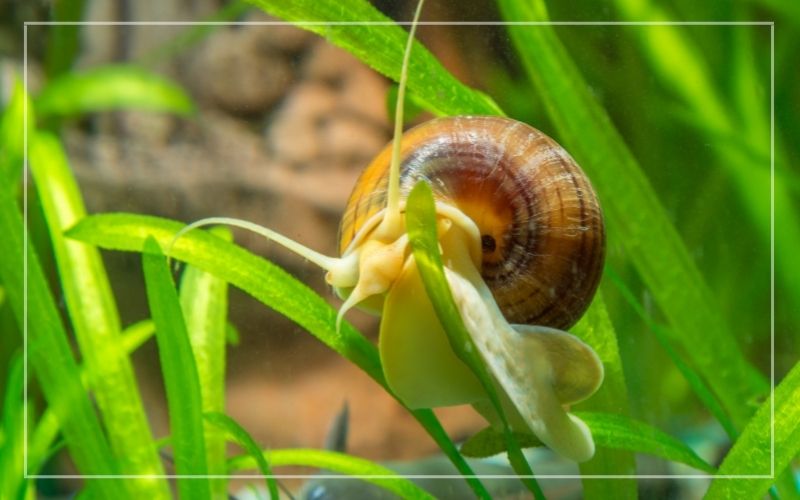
column 204, row 299
column 11, row 433
column 111, row 87
column 50, row 354
column 663, row 336
column 739, row 137
column 12, row 132
column 381, row 47
column 609, row 431
column 269, row 284
column 337, row 462
column 632, row 211
column 260, row 278
column 595, row 329
column 243, row 438
column 752, row 453
column 180, row 374
column 63, row 37
column 421, row 226
column 94, row 317
column 47, row 427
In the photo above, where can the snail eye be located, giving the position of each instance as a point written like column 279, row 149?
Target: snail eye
column 488, row 243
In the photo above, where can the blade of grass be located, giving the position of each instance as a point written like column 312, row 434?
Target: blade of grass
column 680, row 64
column 240, row 436
column 382, row 46
column 40, row 448
column 421, row 226
column 180, row 375
column 111, row 87
column 260, row 278
column 62, row 39
column 95, row 320
column 204, row 300
column 633, row 211
column 610, row 431
column 40, row 445
column 12, row 128
column 337, row 462
column 663, row 335
column 50, row 354
column 12, row 433
column 267, row 283
column 595, row 329
column 752, row 454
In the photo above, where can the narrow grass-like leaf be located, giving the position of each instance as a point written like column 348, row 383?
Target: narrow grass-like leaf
column 421, row 226
column 50, row 355
column 95, row 320
column 40, row 445
column 180, row 374
column 11, row 433
column 382, row 46
column 680, row 64
column 632, row 210
column 609, row 431
column 62, row 39
column 752, row 453
column 336, row 462
column 243, row 438
column 47, row 427
column 204, row 299
column 12, row 127
column 111, row 87
column 269, row 284
column 624, row 433
column 260, row 278
column 595, row 329
column 137, row 334
column 690, row 374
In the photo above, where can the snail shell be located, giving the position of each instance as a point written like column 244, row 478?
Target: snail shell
column 541, row 226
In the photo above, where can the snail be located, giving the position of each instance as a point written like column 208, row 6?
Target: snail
column 523, row 246
column 522, row 242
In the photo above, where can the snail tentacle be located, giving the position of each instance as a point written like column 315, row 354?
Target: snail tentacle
column 321, row 260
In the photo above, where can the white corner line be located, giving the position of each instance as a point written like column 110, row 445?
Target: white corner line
column 772, row 244
column 25, row 252
column 402, row 23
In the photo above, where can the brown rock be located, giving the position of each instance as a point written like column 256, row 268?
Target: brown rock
column 234, row 74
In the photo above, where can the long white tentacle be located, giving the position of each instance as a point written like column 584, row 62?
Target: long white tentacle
column 392, row 218
column 323, row 261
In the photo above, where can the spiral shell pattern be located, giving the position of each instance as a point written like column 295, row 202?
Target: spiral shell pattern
column 541, row 226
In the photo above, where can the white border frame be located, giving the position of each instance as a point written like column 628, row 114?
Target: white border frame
column 771, row 24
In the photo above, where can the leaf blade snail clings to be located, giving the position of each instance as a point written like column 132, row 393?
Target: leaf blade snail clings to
column 522, row 240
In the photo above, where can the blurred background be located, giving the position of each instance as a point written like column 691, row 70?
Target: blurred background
column 285, row 123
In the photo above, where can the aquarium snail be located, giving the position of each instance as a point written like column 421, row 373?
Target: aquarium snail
column 522, row 241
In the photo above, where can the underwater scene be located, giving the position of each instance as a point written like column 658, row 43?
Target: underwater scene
column 354, row 249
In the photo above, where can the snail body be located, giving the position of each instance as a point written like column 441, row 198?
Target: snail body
column 540, row 224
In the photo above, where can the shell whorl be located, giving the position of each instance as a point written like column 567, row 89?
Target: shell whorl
column 541, row 225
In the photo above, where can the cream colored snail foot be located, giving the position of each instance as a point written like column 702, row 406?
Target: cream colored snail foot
column 537, row 370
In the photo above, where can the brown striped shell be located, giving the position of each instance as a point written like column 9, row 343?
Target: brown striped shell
column 541, row 225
